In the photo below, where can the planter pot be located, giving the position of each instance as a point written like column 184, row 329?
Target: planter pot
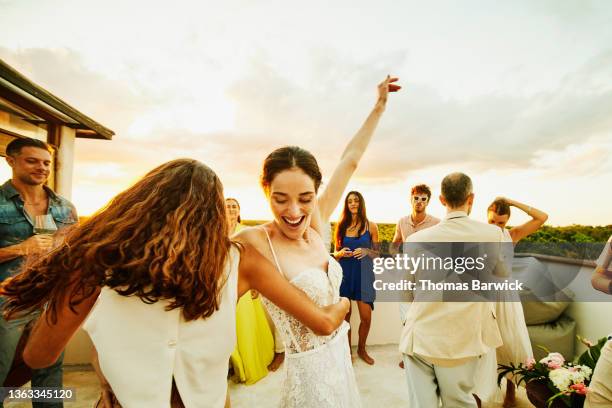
column 538, row 393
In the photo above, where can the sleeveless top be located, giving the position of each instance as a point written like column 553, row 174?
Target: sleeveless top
column 318, row 369
column 141, row 347
column 358, row 280
column 323, row 288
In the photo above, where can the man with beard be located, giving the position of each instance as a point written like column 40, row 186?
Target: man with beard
column 24, row 200
column 408, row 225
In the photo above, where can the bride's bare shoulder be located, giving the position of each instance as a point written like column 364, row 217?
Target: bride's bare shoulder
column 251, row 235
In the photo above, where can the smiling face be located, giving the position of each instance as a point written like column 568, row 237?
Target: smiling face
column 232, row 209
column 292, row 199
column 31, row 166
column 496, row 219
column 353, row 203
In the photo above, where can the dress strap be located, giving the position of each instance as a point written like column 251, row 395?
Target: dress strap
column 272, row 250
column 286, row 329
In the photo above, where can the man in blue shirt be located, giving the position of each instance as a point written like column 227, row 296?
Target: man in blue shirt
column 22, row 199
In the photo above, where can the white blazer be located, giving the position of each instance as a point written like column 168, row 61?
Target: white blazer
column 450, row 333
column 142, row 346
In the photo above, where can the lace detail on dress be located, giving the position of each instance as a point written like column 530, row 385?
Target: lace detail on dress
column 324, row 290
column 319, row 371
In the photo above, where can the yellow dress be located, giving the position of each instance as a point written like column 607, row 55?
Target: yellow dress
column 255, row 342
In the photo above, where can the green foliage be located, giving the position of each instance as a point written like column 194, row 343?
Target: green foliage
column 571, row 233
column 591, row 355
column 568, row 241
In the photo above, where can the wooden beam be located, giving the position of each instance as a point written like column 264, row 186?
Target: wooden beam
column 21, row 82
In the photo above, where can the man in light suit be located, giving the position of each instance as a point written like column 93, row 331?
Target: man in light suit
column 442, row 342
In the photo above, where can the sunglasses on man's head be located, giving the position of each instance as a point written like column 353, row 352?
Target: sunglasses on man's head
column 417, row 198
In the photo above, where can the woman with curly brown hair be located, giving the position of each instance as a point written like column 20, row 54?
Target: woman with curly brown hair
column 165, row 278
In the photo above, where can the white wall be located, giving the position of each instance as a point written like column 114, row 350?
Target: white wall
column 64, row 162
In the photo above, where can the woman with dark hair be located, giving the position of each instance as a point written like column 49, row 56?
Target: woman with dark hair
column 356, row 245
column 318, row 370
column 516, row 347
column 164, row 276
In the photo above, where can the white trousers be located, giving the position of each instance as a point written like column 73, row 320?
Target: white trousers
column 429, row 384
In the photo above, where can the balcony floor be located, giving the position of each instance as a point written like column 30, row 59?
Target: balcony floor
column 382, row 384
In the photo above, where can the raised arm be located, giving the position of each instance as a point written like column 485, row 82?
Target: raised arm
column 47, row 339
column 351, row 156
column 538, row 218
column 258, row 273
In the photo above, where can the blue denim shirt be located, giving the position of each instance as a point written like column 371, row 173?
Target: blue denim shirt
column 16, row 226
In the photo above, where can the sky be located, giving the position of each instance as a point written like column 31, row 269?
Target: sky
column 517, row 95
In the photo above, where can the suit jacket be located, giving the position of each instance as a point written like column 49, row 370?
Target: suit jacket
column 451, row 333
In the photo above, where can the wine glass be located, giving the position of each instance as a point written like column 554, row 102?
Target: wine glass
column 44, row 225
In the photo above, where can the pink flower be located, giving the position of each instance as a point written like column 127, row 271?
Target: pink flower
column 580, row 388
column 553, row 361
column 530, row 363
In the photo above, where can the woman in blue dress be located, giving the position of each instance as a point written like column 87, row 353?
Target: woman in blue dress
column 356, row 243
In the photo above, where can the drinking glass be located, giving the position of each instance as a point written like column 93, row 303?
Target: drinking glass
column 44, row 224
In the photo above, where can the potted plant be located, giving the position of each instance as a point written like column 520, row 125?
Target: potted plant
column 554, row 382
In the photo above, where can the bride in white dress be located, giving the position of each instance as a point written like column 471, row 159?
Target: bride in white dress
column 318, row 369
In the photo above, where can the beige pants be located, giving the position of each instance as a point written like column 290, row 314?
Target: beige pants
column 600, row 389
column 430, row 384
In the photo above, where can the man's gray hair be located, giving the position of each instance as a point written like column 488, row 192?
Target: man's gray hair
column 456, row 188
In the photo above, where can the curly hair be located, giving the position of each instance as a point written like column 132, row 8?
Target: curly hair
column 163, row 238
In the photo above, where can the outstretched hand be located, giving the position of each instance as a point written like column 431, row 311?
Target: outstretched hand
column 387, row 86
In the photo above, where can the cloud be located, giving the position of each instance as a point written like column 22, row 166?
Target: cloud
column 321, row 109
column 421, row 128
column 110, row 101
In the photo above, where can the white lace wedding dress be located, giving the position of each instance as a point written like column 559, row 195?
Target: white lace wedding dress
column 318, row 369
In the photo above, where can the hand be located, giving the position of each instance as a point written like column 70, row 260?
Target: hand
column 387, row 86
column 345, row 303
column 338, row 311
column 254, row 294
column 36, row 244
column 342, row 306
column 360, row 253
column 344, row 253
